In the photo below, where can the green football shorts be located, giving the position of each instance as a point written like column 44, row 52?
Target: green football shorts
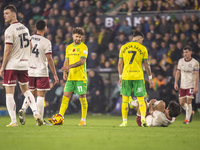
column 78, row 87
column 137, row 86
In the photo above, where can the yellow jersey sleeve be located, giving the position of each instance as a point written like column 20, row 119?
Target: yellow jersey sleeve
column 84, row 52
column 121, row 53
column 145, row 53
column 66, row 51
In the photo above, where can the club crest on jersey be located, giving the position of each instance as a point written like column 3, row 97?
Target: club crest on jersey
column 73, row 50
column 8, row 36
column 78, row 50
column 139, row 89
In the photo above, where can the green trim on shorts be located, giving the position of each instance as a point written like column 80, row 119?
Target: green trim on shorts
column 137, row 86
column 78, row 87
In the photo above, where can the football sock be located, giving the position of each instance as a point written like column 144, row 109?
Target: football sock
column 64, row 105
column 142, row 106
column 125, row 100
column 84, row 107
column 25, row 104
column 40, row 105
column 31, row 101
column 11, row 106
column 185, row 106
column 188, row 111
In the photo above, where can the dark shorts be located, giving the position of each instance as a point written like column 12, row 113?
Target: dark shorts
column 39, row 83
column 11, row 76
column 186, row 93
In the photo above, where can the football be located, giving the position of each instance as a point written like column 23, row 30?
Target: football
column 57, row 119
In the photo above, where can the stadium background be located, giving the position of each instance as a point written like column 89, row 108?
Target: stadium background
column 168, row 26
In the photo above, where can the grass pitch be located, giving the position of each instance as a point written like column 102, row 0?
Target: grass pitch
column 101, row 133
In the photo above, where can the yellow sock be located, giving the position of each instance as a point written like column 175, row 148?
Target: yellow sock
column 84, row 107
column 142, row 106
column 124, row 107
column 64, row 105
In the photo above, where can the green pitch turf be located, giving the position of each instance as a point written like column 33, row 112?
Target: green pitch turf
column 101, row 133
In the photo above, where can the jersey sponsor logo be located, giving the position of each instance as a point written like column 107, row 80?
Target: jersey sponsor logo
column 23, row 59
column 33, row 67
column 73, row 54
column 84, row 52
column 11, row 81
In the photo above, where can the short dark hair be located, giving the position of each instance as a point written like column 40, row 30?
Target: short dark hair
column 187, row 47
column 78, row 30
column 40, row 25
column 174, row 109
column 12, row 8
column 138, row 33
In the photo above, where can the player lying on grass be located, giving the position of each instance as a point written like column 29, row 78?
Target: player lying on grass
column 158, row 116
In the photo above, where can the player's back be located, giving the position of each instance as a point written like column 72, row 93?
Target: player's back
column 38, row 64
column 133, row 54
column 18, row 35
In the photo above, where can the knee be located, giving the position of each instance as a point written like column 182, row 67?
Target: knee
column 182, row 103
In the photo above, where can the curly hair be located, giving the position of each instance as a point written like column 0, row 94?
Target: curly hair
column 78, row 30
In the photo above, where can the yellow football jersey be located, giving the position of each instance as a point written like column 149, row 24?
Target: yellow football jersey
column 133, row 54
column 74, row 53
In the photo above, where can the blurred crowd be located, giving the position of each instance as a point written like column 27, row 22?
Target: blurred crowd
column 164, row 40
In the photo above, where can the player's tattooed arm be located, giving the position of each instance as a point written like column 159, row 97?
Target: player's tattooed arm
column 147, row 67
column 79, row 63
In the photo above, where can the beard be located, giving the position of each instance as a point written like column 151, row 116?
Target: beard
column 77, row 41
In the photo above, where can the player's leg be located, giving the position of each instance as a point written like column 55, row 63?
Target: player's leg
column 65, row 102
column 84, row 108
column 189, row 112
column 25, row 105
column 81, row 90
column 139, row 92
column 31, row 102
column 33, row 89
column 182, row 101
column 42, row 86
column 126, row 89
column 11, row 106
column 40, row 102
column 23, row 83
column 10, row 75
column 68, row 91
